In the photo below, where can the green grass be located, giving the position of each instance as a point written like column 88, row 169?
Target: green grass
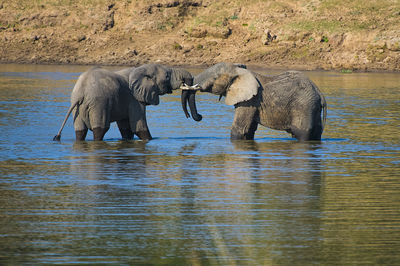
column 322, row 25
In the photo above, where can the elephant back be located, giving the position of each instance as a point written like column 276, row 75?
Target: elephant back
column 286, row 96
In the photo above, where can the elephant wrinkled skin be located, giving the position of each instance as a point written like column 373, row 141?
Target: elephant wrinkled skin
column 288, row 101
column 101, row 96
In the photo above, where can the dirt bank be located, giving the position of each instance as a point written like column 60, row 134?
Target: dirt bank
column 300, row 34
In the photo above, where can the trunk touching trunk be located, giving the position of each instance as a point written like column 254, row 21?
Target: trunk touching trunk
column 189, row 96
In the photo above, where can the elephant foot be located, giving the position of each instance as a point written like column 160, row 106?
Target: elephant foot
column 98, row 133
column 80, row 135
column 126, row 134
column 241, row 136
column 124, row 129
column 235, row 135
column 144, row 135
column 245, row 132
column 304, row 135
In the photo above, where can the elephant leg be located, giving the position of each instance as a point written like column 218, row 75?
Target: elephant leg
column 317, row 128
column 80, row 135
column 99, row 117
column 98, row 133
column 308, row 127
column 245, row 122
column 306, row 134
column 138, row 121
column 125, row 129
column 144, row 135
column 80, row 127
column 300, row 134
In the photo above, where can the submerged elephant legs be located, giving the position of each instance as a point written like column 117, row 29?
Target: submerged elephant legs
column 313, row 133
column 307, row 126
column 244, row 123
column 305, row 134
column 80, row 134
column 247, row 117
column 125, row 129
column 98, row 134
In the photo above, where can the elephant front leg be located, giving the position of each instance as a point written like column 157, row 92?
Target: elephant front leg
column 245, row 123
column 137, row 120
column 142, row 130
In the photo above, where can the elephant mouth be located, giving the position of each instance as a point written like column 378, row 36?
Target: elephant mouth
column 188, row 96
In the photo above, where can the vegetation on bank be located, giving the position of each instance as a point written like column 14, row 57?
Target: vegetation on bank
column 328, row 34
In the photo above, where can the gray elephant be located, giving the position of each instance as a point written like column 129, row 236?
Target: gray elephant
column 288, row 101
column 101, row 96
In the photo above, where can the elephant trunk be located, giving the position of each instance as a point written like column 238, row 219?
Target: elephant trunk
column 184, row 99
column 189, row 96
column 192, row 105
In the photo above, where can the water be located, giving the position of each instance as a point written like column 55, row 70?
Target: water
column 191, row 196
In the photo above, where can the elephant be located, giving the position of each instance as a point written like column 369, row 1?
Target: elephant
column 288, row 101
column 100, row 97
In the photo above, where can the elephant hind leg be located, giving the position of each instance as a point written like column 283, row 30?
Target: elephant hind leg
column 80, row 135
column 98, row 133
column 300, row 134
column 305, row 134
column 307, row 127
column 144, row 135
column 125, row 129
column 81, row 128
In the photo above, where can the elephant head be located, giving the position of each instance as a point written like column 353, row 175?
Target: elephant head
column 233, row 81
column 149, row 81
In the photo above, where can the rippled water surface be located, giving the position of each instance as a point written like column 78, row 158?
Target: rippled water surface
column 191, row 196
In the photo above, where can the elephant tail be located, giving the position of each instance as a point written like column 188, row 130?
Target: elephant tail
column 58, row 136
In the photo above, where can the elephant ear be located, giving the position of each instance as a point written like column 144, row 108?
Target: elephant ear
column 144, row 88
column 243, row 88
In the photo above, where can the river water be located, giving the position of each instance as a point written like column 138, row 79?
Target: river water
column 191, row 196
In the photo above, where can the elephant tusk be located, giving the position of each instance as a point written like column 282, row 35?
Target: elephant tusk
column 195, row 87
column 184, row 86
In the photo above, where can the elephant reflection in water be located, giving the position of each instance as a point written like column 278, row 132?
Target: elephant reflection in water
column 240, row 204
column 253, row 202
column 103, row 160
column 261, row 199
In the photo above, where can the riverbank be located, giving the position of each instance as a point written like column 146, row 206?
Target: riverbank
column 305, row 35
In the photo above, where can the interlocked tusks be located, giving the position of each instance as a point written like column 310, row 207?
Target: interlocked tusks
column 195, row 87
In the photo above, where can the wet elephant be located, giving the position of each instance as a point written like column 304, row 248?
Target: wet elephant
column 288, row 101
